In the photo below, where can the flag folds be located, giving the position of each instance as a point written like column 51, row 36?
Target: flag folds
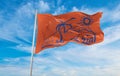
column 58, row 30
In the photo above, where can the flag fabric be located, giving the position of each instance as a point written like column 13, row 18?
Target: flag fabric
column 58, row 30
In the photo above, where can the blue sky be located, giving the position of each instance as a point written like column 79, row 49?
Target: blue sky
column 16, row 29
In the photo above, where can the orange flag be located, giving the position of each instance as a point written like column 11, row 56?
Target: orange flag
column 58, row 30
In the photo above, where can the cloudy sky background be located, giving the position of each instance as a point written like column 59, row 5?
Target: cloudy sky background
column 16, row 29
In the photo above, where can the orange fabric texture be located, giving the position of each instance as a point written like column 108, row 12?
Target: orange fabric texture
column 58, row 30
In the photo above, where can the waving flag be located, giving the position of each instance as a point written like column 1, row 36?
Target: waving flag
column 58, row 30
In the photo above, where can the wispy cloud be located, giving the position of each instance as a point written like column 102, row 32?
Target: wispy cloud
column 76, row 61
column 43, row 6
column 76, row 71
column 22, row 47
column 111, row 34
column 60, row 10
column 19, row 28
column 13, row 28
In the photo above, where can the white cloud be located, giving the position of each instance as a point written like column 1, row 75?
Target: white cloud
column 113, row 14
column 13, row 71
column 20, row 26
column 25, row 48
column 59, row 10
column 43, row 6
column 105, row 62
column 111, row 34
column 98, row 61
column 84, row 9
column 74, row 71
column 13, row 29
